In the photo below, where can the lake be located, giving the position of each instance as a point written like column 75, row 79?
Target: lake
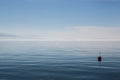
column 62, row 60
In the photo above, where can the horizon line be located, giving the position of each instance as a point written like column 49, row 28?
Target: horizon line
column 53, row 40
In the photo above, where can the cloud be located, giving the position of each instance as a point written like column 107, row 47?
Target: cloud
column 81, row 33
column 5, row 35
column 98, row 33
column 76, row 33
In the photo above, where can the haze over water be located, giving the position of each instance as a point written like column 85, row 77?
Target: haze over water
column 63, row 60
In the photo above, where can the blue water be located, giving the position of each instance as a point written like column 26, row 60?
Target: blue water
column 59, row 60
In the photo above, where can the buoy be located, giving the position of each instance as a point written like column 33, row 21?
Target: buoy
column 100, row 58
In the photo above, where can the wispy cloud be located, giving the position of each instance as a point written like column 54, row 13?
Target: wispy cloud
column 98, row 33
column 7, row 35
column 76, row 33
column 83, row 33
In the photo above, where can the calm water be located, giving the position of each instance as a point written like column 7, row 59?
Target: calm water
column 59, row 61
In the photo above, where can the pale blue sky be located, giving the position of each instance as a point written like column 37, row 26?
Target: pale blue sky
column 58, row 19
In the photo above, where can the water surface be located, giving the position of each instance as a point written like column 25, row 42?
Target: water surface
column 59, row 60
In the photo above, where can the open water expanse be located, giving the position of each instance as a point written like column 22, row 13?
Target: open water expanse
column 30, row 60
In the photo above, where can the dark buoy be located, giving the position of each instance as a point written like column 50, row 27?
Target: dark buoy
column 99, row 58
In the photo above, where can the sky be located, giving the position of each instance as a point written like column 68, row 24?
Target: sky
column 60, row 20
